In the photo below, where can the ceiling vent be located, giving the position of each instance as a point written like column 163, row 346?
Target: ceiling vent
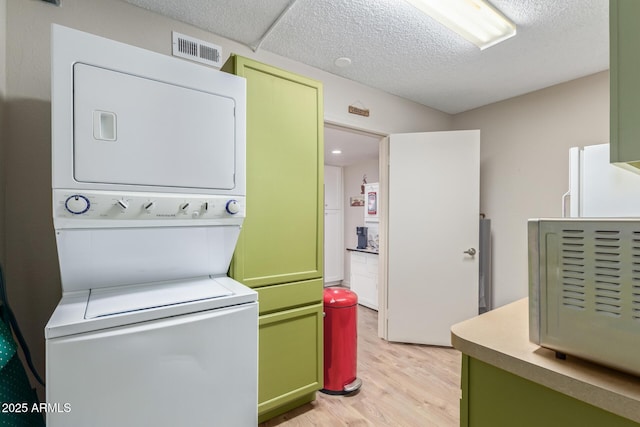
column 196, row 50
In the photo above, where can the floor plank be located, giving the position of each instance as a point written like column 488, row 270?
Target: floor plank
column 403, row 385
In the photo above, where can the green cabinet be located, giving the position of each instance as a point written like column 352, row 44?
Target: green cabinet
column 625, row 85
column 280, row 249
column 492, row 397
column 290, row 361
column 282, row 236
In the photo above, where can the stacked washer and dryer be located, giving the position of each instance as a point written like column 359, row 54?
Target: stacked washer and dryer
column 148, row 201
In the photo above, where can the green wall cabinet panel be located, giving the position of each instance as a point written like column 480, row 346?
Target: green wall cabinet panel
column 624, row 30
column 492, row 397
column 282, row 235
column 280, row 249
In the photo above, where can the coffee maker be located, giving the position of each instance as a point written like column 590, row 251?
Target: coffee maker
column 362, row 237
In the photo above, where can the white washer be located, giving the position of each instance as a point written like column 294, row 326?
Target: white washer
column 190, row 363
column 148, row 200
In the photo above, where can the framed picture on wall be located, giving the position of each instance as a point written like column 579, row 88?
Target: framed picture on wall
column 357, row 200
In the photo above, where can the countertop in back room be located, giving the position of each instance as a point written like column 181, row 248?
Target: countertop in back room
column 366, row 251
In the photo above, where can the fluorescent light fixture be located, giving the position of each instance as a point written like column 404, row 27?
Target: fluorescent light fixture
column 336, row 152
column 475, row 20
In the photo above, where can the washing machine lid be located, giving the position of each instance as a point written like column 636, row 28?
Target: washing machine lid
column 125, row 299
column 72, row 315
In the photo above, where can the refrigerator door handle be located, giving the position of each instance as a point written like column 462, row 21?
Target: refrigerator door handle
column 566, row 201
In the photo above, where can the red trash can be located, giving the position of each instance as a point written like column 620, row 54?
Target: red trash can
column 340, row 341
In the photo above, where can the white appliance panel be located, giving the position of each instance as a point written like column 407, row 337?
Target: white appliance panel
column 138, row 131
column 599, row 188
column 107, row 257
column 109, row 209
column 178, row 371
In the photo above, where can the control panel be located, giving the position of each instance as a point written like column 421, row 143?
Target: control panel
column 106, row 205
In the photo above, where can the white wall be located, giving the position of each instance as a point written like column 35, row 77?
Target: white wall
column 354, row 216
column 31, row 260
column 524, row 164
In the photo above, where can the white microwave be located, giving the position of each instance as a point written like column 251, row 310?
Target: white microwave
column 584, row 289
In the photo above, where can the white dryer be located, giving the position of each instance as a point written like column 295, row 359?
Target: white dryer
column 148, row 200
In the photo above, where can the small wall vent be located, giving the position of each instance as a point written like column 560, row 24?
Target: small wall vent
column 196, row 50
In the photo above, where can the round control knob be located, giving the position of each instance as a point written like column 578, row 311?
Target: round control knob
column 77, row 204
column 148, row 206
column 233, row 207
column 123, row 204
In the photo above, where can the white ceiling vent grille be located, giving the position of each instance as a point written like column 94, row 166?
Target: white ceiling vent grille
column 196, row 50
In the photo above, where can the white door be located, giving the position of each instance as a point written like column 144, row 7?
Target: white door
column 433, row 217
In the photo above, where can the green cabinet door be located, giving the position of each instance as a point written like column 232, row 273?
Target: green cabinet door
column 290, row 346
column 624, row 16
column 282, row 236
column 290, row 362
column 492, row 397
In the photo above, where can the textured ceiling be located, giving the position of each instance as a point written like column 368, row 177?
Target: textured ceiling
column 401, row 51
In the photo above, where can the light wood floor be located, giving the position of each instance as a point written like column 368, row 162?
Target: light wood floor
column 403, row 385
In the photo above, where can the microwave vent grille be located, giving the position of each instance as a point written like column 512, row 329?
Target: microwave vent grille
column 600, row 287
column 607, row 283
column 635, row 277
column 573, row 271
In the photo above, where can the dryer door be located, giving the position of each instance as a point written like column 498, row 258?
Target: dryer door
column 131, row 130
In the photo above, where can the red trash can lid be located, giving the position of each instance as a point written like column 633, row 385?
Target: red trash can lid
column 339, row 297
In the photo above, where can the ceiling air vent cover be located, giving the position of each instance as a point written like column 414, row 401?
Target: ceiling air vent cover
column 196, row 50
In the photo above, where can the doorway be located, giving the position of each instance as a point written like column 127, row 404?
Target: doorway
column 351, row 156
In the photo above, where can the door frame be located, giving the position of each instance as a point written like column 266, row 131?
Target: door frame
column 383, row 207
column 383, row 233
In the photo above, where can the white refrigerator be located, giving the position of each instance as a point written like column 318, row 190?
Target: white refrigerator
column 597, row 188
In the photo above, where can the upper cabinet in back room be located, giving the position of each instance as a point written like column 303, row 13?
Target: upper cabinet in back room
column 332, row 187
column 625, row 84
column 333, row 226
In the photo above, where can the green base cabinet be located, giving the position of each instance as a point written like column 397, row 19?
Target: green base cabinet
column 280, row 248
column 492, row 397
column 624, row 30
column 290, row 353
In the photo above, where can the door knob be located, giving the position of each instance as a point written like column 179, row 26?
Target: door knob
column 470, row 251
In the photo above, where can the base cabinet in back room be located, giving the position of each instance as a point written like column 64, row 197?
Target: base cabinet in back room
column 280, row 249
